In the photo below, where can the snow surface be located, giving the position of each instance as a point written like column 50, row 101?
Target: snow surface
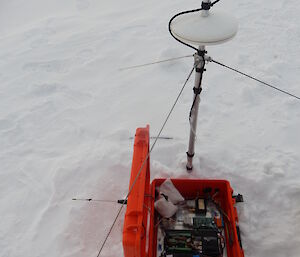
column 67, row 114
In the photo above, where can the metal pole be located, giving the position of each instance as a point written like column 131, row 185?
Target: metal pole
column 199, row 66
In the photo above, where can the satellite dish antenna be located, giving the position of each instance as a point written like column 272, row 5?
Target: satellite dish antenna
column 201, row 27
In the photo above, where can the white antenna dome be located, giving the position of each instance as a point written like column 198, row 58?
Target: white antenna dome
column 204, row 28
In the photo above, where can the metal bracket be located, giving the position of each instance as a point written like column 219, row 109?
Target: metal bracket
column 238, row 198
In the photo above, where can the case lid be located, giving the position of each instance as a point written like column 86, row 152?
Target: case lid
column 136, row 217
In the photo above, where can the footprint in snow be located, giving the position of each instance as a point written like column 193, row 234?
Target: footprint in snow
column 56, row 66
column 45, row 89
column 39, row 43
column 82, row 4
column 272, row 170
column 6, row 124
column 39, row 32
column 59, row 95
column 85, row 55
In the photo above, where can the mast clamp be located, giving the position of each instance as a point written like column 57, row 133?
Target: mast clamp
column 206, row 5
column 197, row 91
column 190, row 155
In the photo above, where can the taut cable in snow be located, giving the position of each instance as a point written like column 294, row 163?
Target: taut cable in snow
column 93, row 200
column 161, row 137
column 258, row 80
column 99, row 200
column 151, row 63
column 145, row 160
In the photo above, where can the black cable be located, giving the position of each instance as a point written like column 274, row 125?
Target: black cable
column 194, row 101
column 197, row 91
column 175, row 16
column 196, row 95
column 213, row 3
column 258, row 80
column 204, row 6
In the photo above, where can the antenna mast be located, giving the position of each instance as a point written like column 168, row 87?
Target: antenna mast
column 200, row 27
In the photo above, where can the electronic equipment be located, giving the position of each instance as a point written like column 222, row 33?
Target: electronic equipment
column 192, row 231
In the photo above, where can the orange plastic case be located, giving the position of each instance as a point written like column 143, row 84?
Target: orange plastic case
column 139, row 232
